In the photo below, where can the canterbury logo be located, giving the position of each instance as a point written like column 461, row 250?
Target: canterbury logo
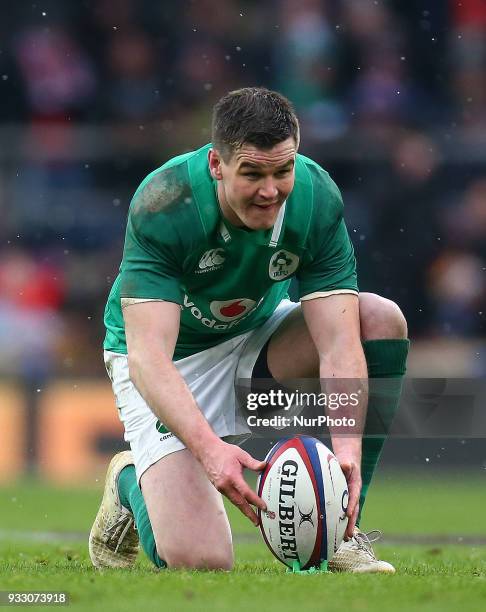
column 211, row 259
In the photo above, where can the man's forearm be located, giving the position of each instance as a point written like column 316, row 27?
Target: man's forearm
column 165, row 391
column 344, row 371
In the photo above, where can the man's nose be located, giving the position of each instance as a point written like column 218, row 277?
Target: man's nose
column 268, row 189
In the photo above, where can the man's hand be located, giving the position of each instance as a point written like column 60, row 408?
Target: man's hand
column 224, row 465
column 352, row 472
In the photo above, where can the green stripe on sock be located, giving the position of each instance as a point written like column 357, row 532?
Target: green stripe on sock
column 386, row 358
column 131, row 497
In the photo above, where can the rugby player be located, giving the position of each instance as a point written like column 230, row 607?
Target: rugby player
column 213, row 238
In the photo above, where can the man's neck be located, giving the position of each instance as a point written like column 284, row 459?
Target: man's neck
column 226, row 210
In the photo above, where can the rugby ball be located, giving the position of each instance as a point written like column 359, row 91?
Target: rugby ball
column 306, row 495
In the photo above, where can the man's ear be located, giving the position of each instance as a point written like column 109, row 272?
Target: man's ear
column 214, row 160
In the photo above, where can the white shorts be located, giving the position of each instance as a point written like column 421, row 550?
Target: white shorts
column 211, row 376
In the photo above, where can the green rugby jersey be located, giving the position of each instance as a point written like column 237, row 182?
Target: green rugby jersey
column 228, row 280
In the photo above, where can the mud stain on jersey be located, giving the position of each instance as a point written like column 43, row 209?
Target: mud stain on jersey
column 164, row 192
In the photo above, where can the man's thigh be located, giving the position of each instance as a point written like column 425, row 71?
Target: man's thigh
column 291, row 352
column 187, row 514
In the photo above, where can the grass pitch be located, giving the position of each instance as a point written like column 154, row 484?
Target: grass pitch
column 43, row 546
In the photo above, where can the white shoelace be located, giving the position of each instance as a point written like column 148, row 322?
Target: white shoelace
column 364, row 541
column 116, row 533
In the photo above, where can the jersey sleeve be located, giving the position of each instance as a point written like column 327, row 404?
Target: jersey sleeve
column 331, row 264
column 151, row 266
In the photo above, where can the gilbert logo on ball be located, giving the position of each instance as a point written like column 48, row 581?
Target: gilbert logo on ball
column 282, row 264
column 230, row 310
column 306, row 495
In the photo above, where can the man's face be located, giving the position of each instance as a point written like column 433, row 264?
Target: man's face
column 254, row 183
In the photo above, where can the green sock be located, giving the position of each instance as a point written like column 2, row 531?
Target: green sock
column 386, row 358
column 131, row 497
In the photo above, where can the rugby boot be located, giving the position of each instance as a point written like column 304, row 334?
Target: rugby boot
column 357, row 556
column 113, row 540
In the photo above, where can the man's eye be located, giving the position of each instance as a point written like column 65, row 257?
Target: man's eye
column 282, row 173
column 253, row 175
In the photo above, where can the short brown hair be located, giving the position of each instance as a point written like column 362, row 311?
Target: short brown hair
column 252, row 115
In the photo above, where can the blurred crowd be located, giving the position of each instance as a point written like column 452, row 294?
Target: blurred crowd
column 95, row 94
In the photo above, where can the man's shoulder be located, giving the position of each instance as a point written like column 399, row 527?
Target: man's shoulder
column 319, row 176
column 165, row 185
column 325, row 193
column 172, row 193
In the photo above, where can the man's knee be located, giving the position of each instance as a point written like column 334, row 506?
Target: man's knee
column 180, row 558
column 380, row 318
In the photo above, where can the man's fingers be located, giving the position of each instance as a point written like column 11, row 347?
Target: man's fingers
column 250, row 495
column 353, row 479
column 348, row 534
column 354, row 491
column 351, row 524
column 352, row 514
column 354, row 485
column 252, row 464
column 240, row 502
column 347, row 468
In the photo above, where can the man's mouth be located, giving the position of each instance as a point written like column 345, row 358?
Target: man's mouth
column 266, row 204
